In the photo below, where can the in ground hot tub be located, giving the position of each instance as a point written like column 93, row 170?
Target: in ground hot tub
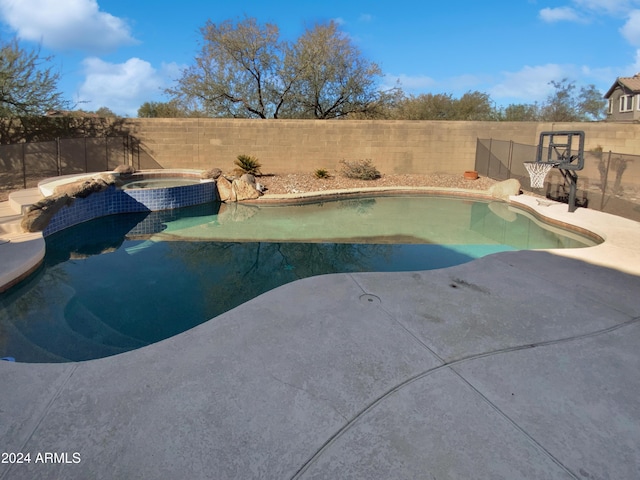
column 145, row 191
column 160, row 179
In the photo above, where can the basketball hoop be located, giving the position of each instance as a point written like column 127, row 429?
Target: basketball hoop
column 538, row 172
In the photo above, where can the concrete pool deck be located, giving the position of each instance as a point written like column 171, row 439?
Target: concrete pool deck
column 517, row 365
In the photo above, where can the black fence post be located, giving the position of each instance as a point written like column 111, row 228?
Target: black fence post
column 58, row 161
column 605, row 180
column 510, row 160
column 490, row 154
column 24, row 166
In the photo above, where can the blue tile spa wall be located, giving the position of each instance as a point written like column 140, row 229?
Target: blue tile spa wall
column 113, row 201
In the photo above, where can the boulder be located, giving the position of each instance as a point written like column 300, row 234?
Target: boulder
column 503, row 190
column 244, row 190
column 213, row 174
column 125, row 170
column 38, row 215
column 248, row 178
column 84, row 188
column 225, row 190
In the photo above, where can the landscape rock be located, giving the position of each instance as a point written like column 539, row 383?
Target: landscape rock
column 125, row 170
column 38, row 215
column 225, row 190
column 248, row 178
column 244, row 190
column 84, row 188
column 214, row 173
column 503, row 190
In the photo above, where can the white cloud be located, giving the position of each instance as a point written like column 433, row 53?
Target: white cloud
column 560, row 14
column 122, row 87
column 631, row 30
column 66, row 24
column 610, row 7
column 365, row 17
column 530, row 84
column 632, row 69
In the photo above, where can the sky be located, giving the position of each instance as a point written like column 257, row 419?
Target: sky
column 120, row 54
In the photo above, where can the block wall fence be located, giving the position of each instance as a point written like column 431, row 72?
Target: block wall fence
column 302, row 146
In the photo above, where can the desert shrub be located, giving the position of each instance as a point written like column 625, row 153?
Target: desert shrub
column 322, row 173
column 360, row 169
column 248, row 164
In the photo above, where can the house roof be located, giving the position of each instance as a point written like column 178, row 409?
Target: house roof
column 628, row 83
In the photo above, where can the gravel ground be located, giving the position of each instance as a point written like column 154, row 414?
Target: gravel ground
column 307, row 182
column 303, row 182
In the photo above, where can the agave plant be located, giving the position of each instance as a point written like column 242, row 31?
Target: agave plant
column 248, row 164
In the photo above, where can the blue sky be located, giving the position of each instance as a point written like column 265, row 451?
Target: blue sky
column 122, row 53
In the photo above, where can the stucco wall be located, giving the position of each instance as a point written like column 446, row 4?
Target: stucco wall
column 290, row 146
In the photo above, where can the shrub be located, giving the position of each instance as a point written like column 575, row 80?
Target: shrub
column 248, row 164
column 322, row 173
column 360, row 169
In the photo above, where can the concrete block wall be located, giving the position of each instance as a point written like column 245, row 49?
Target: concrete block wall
column 394, row 146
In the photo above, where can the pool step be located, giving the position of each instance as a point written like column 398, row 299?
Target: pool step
column 20, row 200
column 23, row 349
column 54, row 335
column 140, row 246
column 58, row 339
column 9, row 220
column 84, row 322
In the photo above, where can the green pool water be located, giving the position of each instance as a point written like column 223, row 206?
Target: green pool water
column 125, row 281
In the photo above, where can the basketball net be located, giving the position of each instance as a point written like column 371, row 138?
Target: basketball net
column 537, row 172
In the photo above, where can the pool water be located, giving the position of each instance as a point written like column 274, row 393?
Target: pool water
column 124, row 281
column 160, row 183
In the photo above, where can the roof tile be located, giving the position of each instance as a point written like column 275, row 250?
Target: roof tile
column 632, row 83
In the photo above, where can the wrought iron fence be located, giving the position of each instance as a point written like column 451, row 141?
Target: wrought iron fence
column 23, row 165
column 609, row 182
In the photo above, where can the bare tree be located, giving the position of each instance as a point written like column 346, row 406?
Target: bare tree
column 244, row 70
column 236, row 73
column 333, row 78
column 28, row 86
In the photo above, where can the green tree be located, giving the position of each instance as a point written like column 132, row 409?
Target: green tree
column 592, row 103
column 244, row 70
column 521, row 113
column 426, row 106
column 28, row 85
column 105, row 112
column 442, row 106
column 161, row 110
column 474, row 106
column 561, row 105
column 567, row 104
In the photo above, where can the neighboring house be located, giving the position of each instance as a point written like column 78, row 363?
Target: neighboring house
column 624, row 100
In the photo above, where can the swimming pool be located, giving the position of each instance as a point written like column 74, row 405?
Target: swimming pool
column 124, row 281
